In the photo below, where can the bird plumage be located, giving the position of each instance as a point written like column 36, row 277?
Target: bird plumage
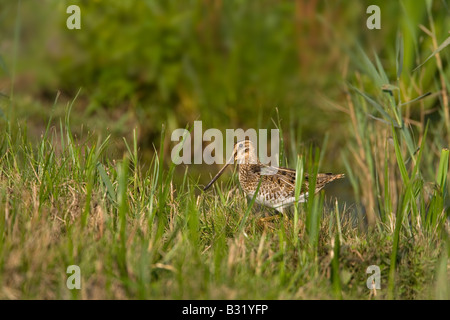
column 277, row 186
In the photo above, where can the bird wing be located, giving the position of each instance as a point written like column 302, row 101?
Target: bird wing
column 286, row 175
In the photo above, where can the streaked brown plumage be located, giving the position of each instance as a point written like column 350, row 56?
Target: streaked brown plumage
column 277, row 188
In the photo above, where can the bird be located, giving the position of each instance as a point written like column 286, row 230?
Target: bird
column 277, row 186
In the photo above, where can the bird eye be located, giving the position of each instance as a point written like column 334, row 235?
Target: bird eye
column 241, row 145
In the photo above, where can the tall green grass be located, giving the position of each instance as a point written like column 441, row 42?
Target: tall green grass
column 137, row 232
column 404, row 163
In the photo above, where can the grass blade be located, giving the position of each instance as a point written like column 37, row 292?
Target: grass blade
column 439, row 49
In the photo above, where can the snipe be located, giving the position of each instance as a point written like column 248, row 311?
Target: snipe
column 277, row 189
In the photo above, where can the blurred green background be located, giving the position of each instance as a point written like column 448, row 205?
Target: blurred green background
column 231, row 64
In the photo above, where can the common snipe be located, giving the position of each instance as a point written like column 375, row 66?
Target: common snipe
column 277, row 189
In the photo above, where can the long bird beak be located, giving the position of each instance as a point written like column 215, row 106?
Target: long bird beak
column 219, row 173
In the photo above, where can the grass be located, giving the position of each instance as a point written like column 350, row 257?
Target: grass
column 137, row 234
column 144, row 229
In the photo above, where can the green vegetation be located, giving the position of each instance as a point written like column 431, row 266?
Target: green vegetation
column 86, row 177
